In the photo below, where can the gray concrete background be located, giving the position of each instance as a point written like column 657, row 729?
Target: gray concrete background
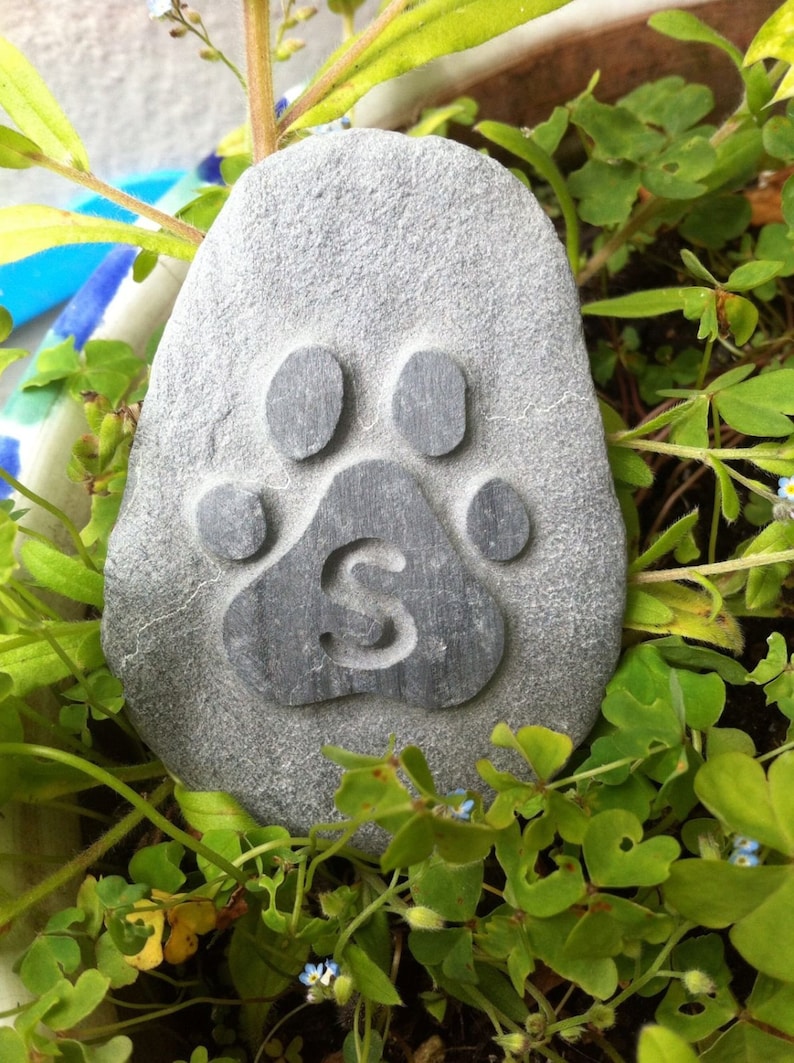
column 140, row 99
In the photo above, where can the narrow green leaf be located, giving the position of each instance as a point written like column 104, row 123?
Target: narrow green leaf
column 732, row 377
column 28, row 229
column 684, row 26
column 63, row 574
column 413, row 763
column 28, row 101
column 462, row 111
column 16, row 150
column 33, row 663
column 729, row 499
column 424, row 31
column 697, row 269
column 753, row 274
column 643, row 608
column 628, row 467
column 370, row 980
column 641, row 304
column 666, row 542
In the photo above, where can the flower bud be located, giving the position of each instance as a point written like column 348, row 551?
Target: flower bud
column 535, row 1025
column 698, row 983
column 212, row 55
column 303, row 14
column 601, row 1016
column 420, row 918
column 343, row 989
column 516, row 1044
column 288, row 47
column 193, row 17
column 572, row 1034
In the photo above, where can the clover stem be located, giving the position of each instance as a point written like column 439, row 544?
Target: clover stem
column 656, row 968
column 364, row 915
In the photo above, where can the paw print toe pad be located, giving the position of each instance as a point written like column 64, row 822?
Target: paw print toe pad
column 231, row 522
column 497, row 521
column 429, row 403
column 304, row 402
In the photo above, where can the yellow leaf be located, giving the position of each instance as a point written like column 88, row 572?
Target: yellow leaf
column 695, row 615
column 151, row 955
column 27, row 229
column 187, row 921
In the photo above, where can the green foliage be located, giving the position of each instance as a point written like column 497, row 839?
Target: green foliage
column 29, row 103
column 26, row 230
column 575, row 881
column 422, row 31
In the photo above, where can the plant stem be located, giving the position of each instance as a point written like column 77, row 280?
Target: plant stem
column 364, row 915
column 655, row 968
column 23, row 749
column 705, row 362
column 343, row 65
column 644, row 214
column 716, row 511
column 720, row 568
column 89, row 180
column 69, row 525
column 261, row 104
column 14, row 908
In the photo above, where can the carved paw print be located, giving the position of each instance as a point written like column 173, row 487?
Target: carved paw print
column 372, row 598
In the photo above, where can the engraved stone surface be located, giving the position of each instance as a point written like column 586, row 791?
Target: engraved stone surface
column 369, row 491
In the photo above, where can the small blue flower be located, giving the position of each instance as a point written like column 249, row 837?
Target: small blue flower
column 743, row 859
column 312, row 973
column 159, row 8
column 786, row 488
column 464, row 809
column 320, row 973
column 743, row 844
